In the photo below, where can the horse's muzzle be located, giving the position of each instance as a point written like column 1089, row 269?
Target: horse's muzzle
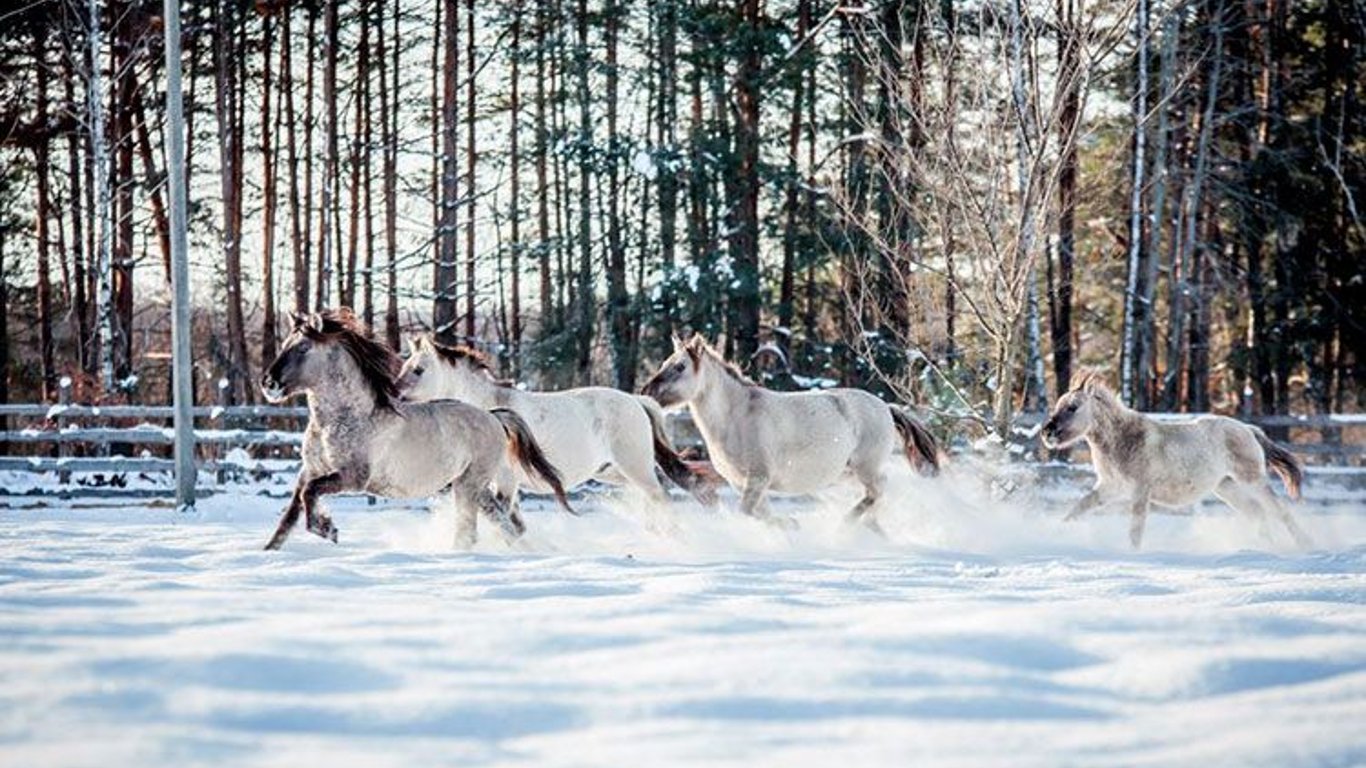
column 273, row 390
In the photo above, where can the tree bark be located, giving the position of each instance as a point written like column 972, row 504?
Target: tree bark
column 444, row 317
column 43, row 215
column 744, row 241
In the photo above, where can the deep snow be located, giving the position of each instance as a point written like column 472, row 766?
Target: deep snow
column 983, row 632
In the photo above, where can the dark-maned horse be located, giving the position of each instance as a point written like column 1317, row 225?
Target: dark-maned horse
column 361, row 437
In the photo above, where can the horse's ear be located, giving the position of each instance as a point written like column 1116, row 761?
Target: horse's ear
column 677, row 340
column 694, row 349
column 1090, row 381
column 314, row 322
column 299, row 319
column 413, row 341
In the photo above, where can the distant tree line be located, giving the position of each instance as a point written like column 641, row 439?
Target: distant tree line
column 957, row 204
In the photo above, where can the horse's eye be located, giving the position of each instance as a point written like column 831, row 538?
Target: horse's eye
column 679, row 367
column 1071, row 408
column 418, row 370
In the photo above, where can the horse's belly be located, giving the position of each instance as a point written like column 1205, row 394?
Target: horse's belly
column 798, row 476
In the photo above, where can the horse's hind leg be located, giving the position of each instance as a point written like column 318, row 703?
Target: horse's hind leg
column 495, row 508
column 1277, row 506
column 864, row 511
column 508, row 495
column 1256, row 499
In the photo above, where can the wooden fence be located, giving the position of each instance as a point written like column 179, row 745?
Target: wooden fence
column 92, row 450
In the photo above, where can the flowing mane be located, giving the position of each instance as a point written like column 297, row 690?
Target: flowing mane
column 455, row 354
column 732, row 370
column 378, row 364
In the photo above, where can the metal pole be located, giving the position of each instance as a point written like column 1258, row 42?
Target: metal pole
column 182, row 365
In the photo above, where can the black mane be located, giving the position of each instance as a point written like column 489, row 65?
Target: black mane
column 377, row 362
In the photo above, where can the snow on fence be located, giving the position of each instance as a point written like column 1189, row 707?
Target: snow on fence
column 102, row 446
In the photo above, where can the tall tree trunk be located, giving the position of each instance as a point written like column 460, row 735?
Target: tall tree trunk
column 1128, row 383
column 102, row 200
column 389, row 136
column 327, row 241
column 226, row 92
column 444, row 315
column 744, row 240
column 1145, row 331
column 950, row 242
column 471, row 158
column 543, row 249
column 792, row 201
column 160, row 219
column 666, row 105
column 80, row 254
column 299, row 210
column 514, row 116
column 346, row 277
column 584, row 299
column 618, row 302
column 43, row 214
column 268, row 162
column 367, row 136
column 124, row 57
column 1060, row 299
column 1192, row 204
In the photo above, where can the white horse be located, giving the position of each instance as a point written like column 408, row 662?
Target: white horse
column 1140, row 461
column 589, row 433
column 791, row 442
column 360, row 437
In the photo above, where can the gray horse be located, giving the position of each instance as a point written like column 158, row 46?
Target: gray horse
column 361, row 437
column 790, row 442
column 1140, row 461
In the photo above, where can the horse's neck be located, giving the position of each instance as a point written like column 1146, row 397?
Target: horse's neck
column 475, row 388
column 337, row 409
column 1115, row 428
column 718, row 400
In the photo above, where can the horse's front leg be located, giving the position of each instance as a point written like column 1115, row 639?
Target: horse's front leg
column 1085, row 504
column 754, row 502
column 1138, row 517
column 288, row 519
column 317, row 520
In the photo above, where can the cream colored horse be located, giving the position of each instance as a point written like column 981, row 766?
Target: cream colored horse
column 589, row 433
column 791, row 442
column 361, row 438
column 1140, row 461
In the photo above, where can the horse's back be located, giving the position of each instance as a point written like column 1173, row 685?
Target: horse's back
column 814, row 437
column 1195, row 454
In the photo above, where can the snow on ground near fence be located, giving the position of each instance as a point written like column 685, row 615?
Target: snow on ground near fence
column 983, row 632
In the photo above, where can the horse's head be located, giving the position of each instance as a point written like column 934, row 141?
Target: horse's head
column 434, row 370
column 299, row 363
column 312, row 356
column 1074, row 414
column 679, row 377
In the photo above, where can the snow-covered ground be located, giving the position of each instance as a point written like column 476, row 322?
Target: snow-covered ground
column 981, row 633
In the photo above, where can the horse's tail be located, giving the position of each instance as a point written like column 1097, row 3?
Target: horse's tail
column 668, row 460
column 921, row 448
column 528, row 453
column 1282, row 462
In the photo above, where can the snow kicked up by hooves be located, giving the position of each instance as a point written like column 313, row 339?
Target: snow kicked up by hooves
column 978, row 633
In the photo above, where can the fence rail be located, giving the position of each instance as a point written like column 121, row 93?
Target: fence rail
column 58, row 432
